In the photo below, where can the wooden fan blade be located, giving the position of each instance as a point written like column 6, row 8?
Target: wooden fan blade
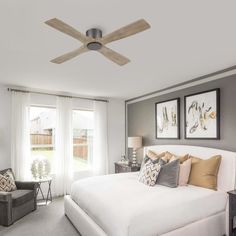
column 67, row 29
column 126, row 31
column 113, row 56
column 70, row 55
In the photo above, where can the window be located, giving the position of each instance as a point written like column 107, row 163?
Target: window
column 42, row 132
column 42, row 135
column 82, row 139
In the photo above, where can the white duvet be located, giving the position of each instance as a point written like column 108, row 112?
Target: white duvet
column 122, row 206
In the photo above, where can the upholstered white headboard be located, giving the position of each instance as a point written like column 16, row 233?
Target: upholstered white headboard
column 227, row 171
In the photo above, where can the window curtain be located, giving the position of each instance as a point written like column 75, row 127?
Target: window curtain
column 63, row 168
column 20, row 135
column 100, row 143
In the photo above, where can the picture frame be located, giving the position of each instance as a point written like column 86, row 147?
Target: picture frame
column 202, row 115
column 167, row 119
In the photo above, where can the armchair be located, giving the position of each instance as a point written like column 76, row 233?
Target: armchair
column 18, row 203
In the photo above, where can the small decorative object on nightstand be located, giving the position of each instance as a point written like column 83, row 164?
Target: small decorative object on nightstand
column 135, row 143
column 232, row 212
column 122, row 168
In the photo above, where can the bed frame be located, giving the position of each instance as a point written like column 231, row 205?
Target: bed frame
column 216, row 225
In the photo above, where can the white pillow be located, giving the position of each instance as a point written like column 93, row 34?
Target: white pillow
column 184, row 172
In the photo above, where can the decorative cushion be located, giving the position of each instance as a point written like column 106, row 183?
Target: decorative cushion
column 10, row 174
column 170, row 156
column 169, row 174
column 149, row 173
column 184, row 172
column 154, row 157
column 204, row 172
column 146, row 159
column 167, row 157
column 173, row 158
column 7, row 181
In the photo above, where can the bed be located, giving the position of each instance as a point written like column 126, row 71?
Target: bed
column 118, row 205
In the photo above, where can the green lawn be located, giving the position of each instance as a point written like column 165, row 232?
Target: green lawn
column 79, row 164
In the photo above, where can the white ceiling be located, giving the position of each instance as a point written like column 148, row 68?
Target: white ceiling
column 187, row 39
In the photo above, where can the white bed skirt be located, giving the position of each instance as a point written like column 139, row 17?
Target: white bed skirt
column 211, row 226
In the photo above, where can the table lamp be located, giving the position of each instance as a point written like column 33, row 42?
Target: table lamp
column 135, row 143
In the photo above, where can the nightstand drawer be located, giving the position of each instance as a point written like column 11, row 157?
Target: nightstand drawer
column 232, row 212
column 232, row 204
column 123, row 168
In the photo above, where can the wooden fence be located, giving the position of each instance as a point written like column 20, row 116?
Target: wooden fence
column 45, row 142
column 40, row 139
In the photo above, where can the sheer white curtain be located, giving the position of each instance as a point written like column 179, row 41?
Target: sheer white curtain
column 20, row 135
column 100, row 141
column 63, row 167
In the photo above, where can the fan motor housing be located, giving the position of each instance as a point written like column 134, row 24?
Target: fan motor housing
column 95, row 34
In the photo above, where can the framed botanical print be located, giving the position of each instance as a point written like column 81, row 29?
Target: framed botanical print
column 202, row 115
column 167, row 119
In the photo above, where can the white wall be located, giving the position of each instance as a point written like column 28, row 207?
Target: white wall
column 5, row 128
column 116, row 125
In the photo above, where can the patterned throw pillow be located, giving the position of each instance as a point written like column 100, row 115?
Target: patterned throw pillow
column 149, row 173
column 7, row 182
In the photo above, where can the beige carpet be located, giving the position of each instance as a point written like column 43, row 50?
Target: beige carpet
column 46, row 221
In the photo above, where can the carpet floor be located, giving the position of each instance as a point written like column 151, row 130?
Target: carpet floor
column 45, row 221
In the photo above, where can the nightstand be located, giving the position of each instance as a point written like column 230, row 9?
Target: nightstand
column 122, row 168
column 232, row 212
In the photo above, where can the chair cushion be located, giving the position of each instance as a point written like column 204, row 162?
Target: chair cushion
column 21, row 196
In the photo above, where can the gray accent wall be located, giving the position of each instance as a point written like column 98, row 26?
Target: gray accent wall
column 141, row 116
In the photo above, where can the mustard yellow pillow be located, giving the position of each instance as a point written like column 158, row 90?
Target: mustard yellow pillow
column 167, row 157
column 170, row 156
column 204, row 172
column 153, row 155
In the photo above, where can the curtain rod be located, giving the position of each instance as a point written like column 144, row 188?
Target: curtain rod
column 59, row 95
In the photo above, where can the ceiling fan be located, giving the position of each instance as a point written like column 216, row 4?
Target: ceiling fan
column 94, row 40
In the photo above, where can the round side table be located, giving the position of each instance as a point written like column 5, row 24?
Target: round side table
column 48, row 199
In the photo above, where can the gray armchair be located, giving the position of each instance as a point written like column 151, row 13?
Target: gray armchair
column 18, row 203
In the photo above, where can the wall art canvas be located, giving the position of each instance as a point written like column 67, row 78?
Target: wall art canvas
column 202, row 115
column 167, row 119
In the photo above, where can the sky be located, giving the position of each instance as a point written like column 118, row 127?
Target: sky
column 81, row 119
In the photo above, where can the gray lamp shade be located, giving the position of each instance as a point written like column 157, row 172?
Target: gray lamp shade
column 134, row 142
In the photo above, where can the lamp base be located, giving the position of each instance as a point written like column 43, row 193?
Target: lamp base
column 134, row 164
column 134, row 159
